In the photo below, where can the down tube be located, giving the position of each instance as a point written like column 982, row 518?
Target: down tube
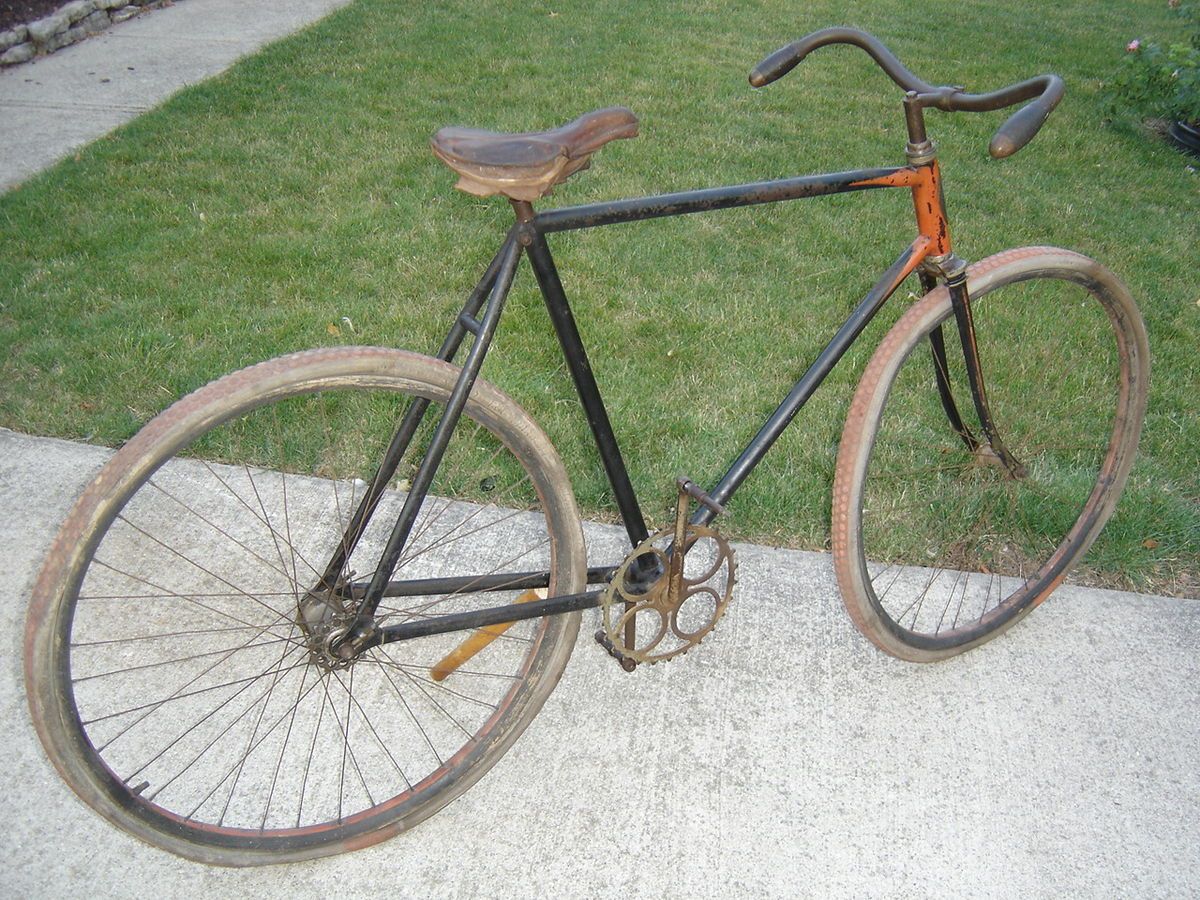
column 811, row 380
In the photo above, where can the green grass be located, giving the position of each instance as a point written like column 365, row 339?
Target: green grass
column 294, row 202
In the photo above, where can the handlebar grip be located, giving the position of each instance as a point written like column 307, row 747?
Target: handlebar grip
column 775, row 66
column 1021, row 127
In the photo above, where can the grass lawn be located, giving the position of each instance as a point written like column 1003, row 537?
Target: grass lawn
column 294, row 202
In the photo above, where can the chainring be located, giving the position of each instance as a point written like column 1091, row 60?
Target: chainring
column 666, row 627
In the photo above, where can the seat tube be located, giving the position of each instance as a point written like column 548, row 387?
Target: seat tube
column 585, row 380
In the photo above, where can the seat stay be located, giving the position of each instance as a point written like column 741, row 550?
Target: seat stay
column 404, row 432
column 509, row 255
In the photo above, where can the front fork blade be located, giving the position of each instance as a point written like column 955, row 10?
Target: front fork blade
column 937, row 346
column 996, row 450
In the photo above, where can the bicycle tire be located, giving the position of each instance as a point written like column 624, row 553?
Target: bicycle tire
column 162, row 639
column 937, row 549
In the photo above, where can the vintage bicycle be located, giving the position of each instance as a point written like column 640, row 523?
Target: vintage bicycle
column 314, row 601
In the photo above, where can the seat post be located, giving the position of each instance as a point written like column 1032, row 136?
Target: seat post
column 523, row 209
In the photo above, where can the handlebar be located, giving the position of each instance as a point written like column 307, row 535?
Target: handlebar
column 1015, row 133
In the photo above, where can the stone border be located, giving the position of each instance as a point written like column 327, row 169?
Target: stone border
column 72, row 22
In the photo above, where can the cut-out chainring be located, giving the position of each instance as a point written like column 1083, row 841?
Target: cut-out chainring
column 653, row 611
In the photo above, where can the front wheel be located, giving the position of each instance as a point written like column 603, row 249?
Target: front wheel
column 177, row 674
column 939, row 545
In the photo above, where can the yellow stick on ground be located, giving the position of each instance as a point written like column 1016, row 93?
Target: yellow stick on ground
column 479, row 639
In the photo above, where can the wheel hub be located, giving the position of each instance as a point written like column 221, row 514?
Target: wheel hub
column 325, row 617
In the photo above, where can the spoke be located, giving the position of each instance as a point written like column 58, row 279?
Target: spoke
column 413, row 716
column 287, row 524
column 891, row 584
column 279, row 617
column 347, row 751
column 178, row 695
column 312, row 749
column 211, row 595
column 162, row 635
column 414, row 539
column 337, row 502
column 212, row 712
column 192, row 562
column 419, row 667
column 287, row 737
column 919, row 601
column 418, row 681
column 262, row 710
column 443, row 541
column 231, row 770
column 949, row 599
column 423, row 525
column 457, row 724
column 182, row 659
column 271, row 528
column 371, row 727
column 269, row 565
column 238, row 497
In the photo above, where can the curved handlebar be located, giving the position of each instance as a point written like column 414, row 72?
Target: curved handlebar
column 1010, row 137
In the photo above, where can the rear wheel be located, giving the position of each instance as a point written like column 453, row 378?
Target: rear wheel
column 939, row 546
column 175, row 683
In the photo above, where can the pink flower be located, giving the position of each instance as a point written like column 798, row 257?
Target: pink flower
column 1133, row 46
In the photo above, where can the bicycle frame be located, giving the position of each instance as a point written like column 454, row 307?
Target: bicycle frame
column 931, row 247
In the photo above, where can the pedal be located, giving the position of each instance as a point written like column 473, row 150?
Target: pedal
column 626, row 663
column 697, row 493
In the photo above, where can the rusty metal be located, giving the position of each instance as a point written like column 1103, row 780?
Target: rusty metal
column 604, row 641
column 629, row 597
column 926, row 183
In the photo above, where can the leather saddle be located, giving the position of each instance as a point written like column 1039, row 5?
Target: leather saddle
column 526, row 166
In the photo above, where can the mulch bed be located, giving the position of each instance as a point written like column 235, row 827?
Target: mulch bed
column 22, row 12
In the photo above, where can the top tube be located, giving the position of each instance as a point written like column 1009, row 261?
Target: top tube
column 570, row 218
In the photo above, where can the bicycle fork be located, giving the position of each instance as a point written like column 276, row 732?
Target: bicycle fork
column 993, row 449
column 944, row 264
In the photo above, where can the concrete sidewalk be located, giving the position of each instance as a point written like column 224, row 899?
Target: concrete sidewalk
column 784, row 757
column 56, row 104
